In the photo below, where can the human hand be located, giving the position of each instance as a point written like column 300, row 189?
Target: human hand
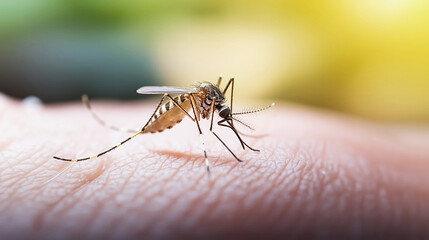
column 318, row 175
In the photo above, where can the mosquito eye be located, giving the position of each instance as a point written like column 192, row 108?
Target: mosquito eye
column 224, row 112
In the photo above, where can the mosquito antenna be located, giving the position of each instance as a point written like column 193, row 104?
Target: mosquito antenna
column 254, row 111
column 248, row 135
column 243, row 123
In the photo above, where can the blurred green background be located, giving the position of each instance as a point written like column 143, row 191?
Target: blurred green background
column 368, row 57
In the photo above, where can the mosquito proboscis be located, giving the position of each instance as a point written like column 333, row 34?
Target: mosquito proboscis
column 203, row 99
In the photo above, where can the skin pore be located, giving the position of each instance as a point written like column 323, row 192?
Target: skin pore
column 319, row 175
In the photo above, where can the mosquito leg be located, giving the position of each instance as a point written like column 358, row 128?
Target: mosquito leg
column 227, row 147
column 112, row 148
column 85, row 100
column 243, row 143
column 154, row 112
column 220, row 123
column 201, row 135
column 227, row 85
column 219, row 81
column 196, row 109
column 98, row 155
column 238, row 135
column 212, row 108
column 253, row 149
column 231, row 82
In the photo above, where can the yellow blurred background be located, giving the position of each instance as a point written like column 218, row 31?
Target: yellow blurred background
column 368, row 57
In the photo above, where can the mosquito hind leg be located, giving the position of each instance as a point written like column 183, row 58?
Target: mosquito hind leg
column 112, row 148
column 85, row 101
column 98, row 155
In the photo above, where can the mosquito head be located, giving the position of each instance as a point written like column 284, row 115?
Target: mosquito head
column 224, row 111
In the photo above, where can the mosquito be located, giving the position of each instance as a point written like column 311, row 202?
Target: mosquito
column 203, row 99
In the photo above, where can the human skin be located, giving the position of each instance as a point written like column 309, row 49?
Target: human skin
column 319, row 175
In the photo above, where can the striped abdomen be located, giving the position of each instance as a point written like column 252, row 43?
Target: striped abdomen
column 168, row 115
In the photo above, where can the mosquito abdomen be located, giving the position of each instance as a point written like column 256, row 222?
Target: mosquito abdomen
column 168, row 115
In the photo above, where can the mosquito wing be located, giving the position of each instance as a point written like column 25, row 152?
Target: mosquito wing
column 165, row 89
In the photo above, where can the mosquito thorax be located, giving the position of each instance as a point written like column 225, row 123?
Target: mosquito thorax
column 208, row 93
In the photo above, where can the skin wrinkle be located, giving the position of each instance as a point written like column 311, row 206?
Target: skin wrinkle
column 314, row 190
column 93, row 219
column 403, row 191
column 5, row 152
column 325, row 203
column 164, row 212
column 127, row 178
column 111, row 195
column 97, row 172
column 261, row 200
column 167, row 210
column 170, row 212
column 209, row 206
column 192, row 202
column 213, row 205
column 38, row 166
column 22, row 178
column 39, row 218
column 376, row 181
column 306, row 170
column 172, row 178
column 142, row 191
column 98, row 208
column 70, row 195
column 95, row 209
column 211, row 198
column 243, row 198
column 294, row 206
column 292, row 190
column 279, row 183
column 276, row 182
